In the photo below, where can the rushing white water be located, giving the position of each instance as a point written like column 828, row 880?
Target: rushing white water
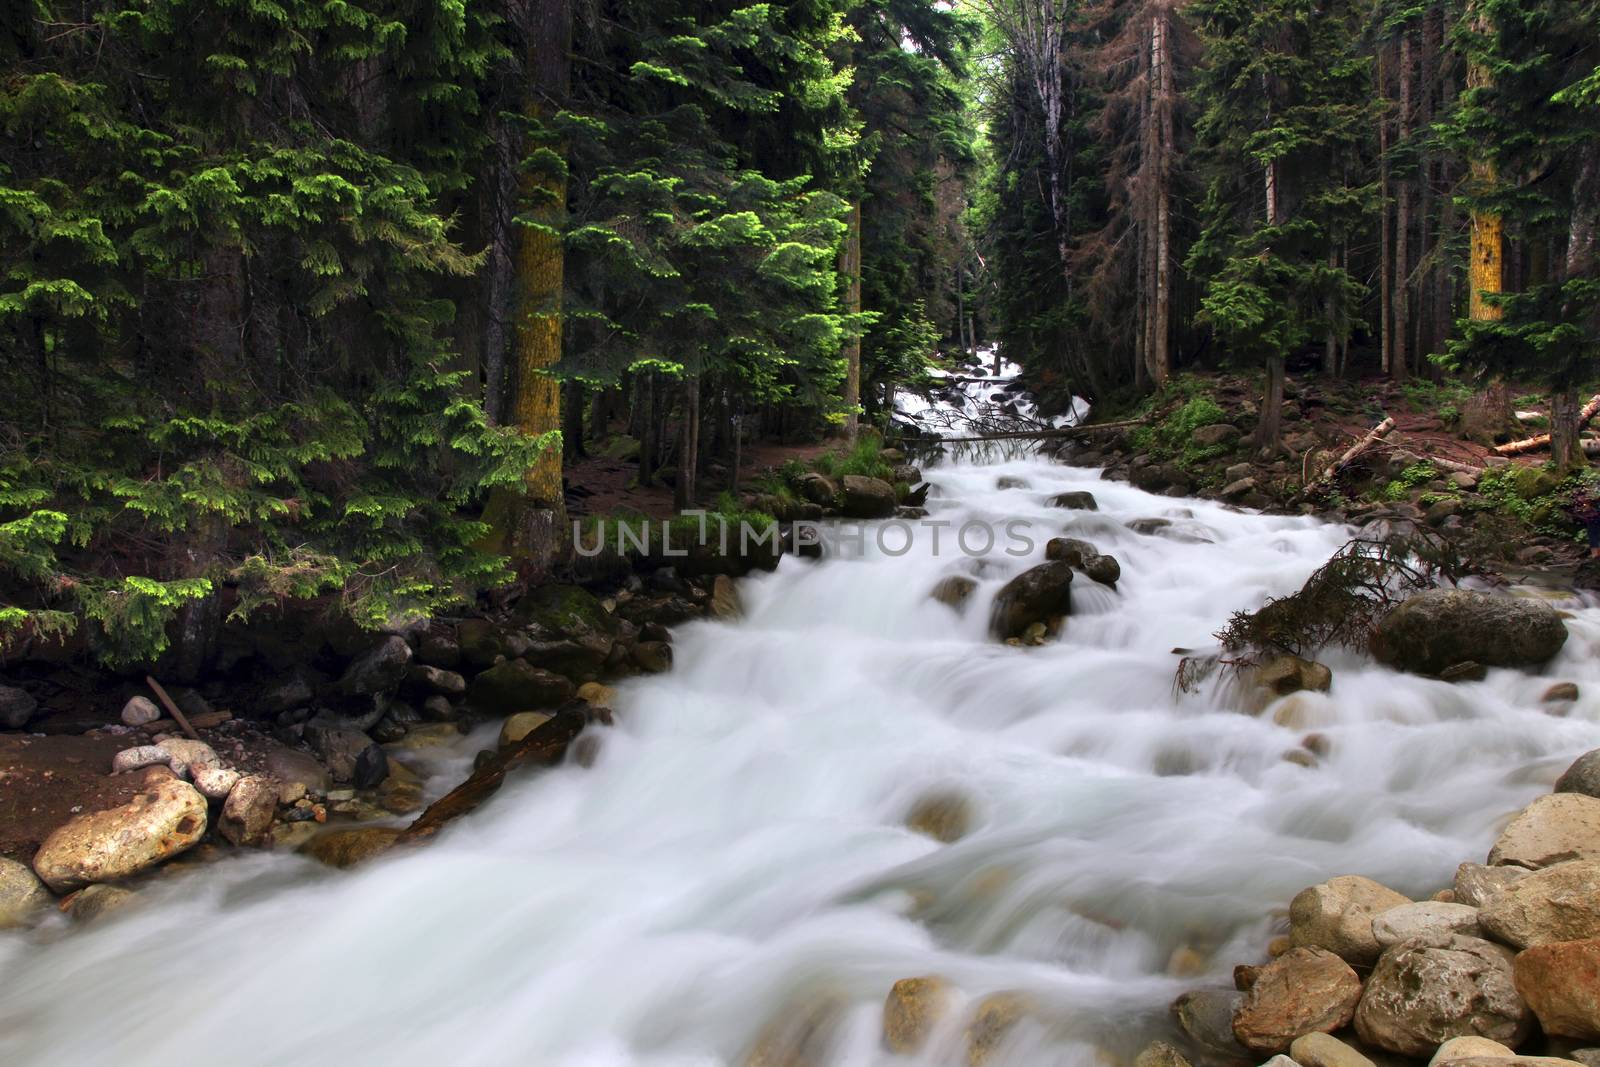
column 737, row 855
column 982, row 392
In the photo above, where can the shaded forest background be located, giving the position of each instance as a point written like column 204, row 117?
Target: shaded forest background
column 315, row 298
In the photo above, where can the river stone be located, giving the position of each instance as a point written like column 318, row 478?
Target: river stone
column 1076, row 501
column 1083, row 556
column 1337, row 915
column 598, row 694
column 993, row 1021
column 168, row 817
column 943, row 816
column 1039, row 594
column 346, row 848
column 867, row 498
column 215, row 783
column 248, row 812
column 913, row 1009
column 1161, row 1054
column 1303, row 990
column 1428, row 990
column 436, row 680
column 1206, row 1015
column 1553, row 829
column 1324, row 1050
column 16, row 707
column 295, row 770
column 350, row 755
column 95, row 902
column 1287, row 674
column 654, row 657
column 1509, row 1061
column 1220, row 433
column 1462, row 1048
column 1560, row 693
column 954, row 591
column 1583, row 776
column 139, row 710
column 516, row 685
column 1475, row 882
column 725, row 600
column 1010, row 481
column 1426, row 919
column 377, row 670
column 520, row 725
column 22, row 895
column 139, row 756
column 818, row 489
column 1559, row 903
column 190, row 756
column 1439, row 628
column 1561, row 983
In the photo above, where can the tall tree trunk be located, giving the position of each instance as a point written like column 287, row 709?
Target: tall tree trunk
column 1160, row 352
column 500, row 282
column 1579, row 262
column 688, row 445
column 1399, row 346
column 1270, row 426
column 1385, row 230
column 1486, row 270
column 538, row 530
column 649, row 431
column 572, row 419
column 850, row 267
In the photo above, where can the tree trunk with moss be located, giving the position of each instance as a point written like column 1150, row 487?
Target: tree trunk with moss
column 850, row 267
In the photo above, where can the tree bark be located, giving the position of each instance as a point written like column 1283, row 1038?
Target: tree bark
column 850, row 267
column 1399, row 345
column 1385, row 232
column 688, row 445
column 1270, row 427
column 1161, row 72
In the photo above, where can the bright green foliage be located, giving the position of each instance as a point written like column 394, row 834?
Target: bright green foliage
column 224, row 228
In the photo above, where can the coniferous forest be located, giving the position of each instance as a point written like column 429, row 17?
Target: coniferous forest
column 312, row 298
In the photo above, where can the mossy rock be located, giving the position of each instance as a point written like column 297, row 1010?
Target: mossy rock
column 1532, row 482
column 552, row 611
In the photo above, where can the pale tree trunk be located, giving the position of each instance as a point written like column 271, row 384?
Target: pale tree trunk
column 1399, row 346
column 1270, row 426
column 1160, row 353
column 850, row 267
column 1385, row 231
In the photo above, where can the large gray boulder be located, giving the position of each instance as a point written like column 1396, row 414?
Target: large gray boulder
column 1583, row 776
column 168, row 817
column 1425, row 991
column 1555, row 828
column 1441, row 628
column 1038, row 594
column 379, row 669
column 516, row 685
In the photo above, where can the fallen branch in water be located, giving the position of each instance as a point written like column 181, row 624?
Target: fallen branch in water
column 544, row 747
column 1542, row 440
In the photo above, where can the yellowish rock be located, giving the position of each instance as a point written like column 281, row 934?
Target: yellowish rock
column 944, row 816
column 521, row 725
column 993, row 1021
column 915, row 1006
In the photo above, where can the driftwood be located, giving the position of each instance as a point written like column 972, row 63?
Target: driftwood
column 1354, row 452
column 544, row 747
column 172, row 709
column 1542, row 440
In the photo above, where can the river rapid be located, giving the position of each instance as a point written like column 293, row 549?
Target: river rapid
column 737, row 857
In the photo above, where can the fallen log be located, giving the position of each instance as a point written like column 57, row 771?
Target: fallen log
column 1354, row 452
column 172, row 708
column 544, row 747
column 1542, row 440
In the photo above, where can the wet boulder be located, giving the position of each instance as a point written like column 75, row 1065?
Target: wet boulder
column 1426, row 991
column 1041, row 594
column 570, row 630
column 166, row 818
column 1285, row 674
column 954, row 591
column 1075, row 501
column 1440, row 628
column 913, row 1009
column 818, row 489
column 867, row 498
column 1584, row 774
column 346, row 848
column 350, row 755
column 248, row 812
column 1428, row 918
column 1476, row 883
column 515, row 685
column 1085, row 557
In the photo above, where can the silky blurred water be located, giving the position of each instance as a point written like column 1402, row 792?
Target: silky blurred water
column 737, row 856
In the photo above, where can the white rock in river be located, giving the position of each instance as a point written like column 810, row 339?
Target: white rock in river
column 139, row 710
column 1428, row 917
column 22, row 895
column 166, row 818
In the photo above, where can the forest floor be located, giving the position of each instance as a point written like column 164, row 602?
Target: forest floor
column 606, row 482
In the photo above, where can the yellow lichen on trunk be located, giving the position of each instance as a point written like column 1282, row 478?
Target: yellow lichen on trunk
column 1485, row 271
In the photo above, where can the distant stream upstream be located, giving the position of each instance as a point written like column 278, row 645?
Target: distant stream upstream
column 737, row 861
